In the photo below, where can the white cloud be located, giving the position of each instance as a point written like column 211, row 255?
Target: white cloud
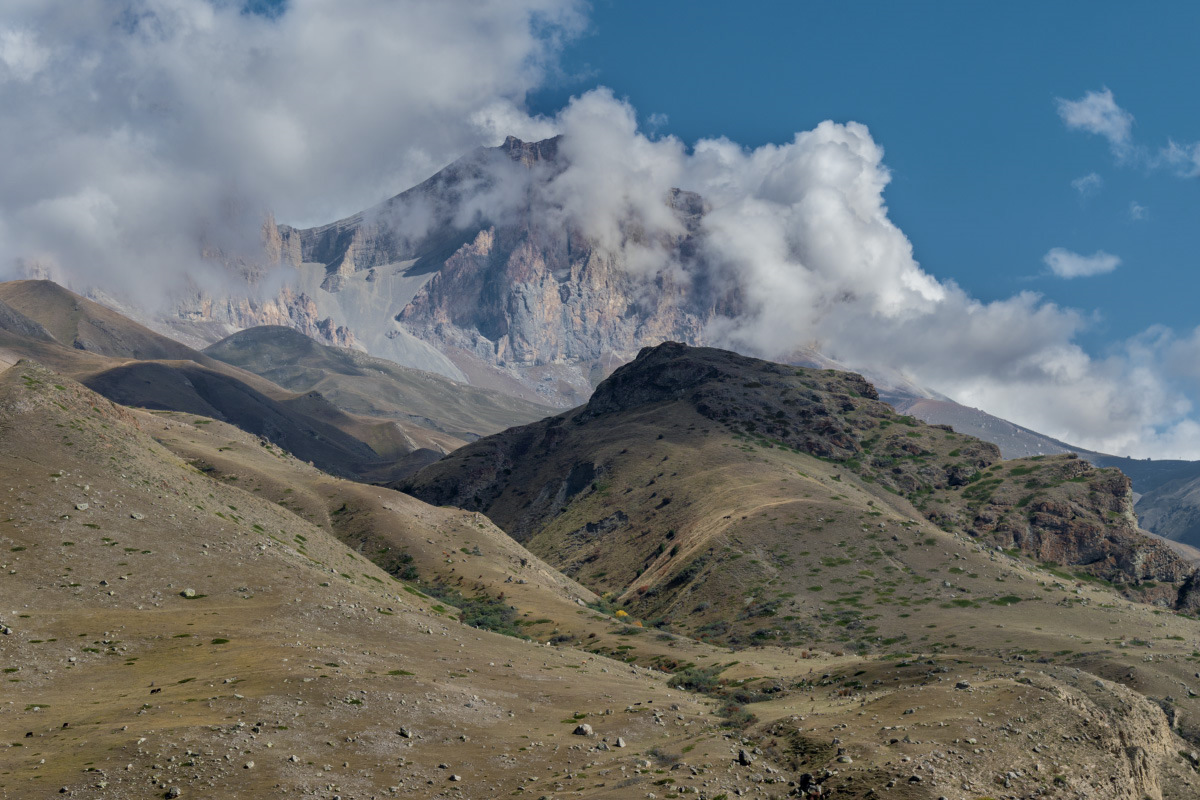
column 1067, row 264
column 1088, row 185
column 22, row 57
column 135, row 130
column 1184, row 158
column 1137, row 211
column 1098, row 112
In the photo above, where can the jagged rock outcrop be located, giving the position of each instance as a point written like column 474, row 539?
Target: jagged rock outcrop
column 289, row 308
column 1062, row 511
column 481, row 262
column 427, row 222
column 531, row 295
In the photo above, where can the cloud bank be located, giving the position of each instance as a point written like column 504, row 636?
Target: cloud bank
column 134, row 130
column 137, row 133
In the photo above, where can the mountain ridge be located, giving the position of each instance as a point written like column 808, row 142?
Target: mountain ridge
column 526, row 479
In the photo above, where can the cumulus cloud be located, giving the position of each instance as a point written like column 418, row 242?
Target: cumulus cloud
column 1088, row 185
column 1068, row 264
column 1137, row 211
column 137, row 132
column 1098, row 113
column 801, row 232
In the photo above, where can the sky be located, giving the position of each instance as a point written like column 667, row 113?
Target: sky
column 963, row 97
column 998, row 200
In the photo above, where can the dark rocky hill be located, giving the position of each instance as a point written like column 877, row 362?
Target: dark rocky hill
column 580, row 487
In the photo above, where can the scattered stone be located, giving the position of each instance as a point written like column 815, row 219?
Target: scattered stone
column 188, row 593
column 744, row 758
column 406, row 733
column 248, row 765
column 620, row 742
column 81, row 506
column 174, row 791
column 962, row 685
column 456, row 778
column 136, row 515
column 583, row 729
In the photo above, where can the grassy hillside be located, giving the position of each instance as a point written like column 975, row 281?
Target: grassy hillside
column 694, row 470
column 163, row 628
column 750, row 504
column 321, row 621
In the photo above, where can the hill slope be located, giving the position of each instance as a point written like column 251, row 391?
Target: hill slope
column 165, row 629
column 135, row 366
column 362, row 384
column 77, row 322
column 1169, row 490
column 602, row 485
column 295, row 669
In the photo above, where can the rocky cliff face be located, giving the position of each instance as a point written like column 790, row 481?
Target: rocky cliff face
column 478, row 263
column 289, row 307
column 1062, row 512
column 528, row 295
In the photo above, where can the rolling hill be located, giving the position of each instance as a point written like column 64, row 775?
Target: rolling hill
column 192, row 611
column 135, row 366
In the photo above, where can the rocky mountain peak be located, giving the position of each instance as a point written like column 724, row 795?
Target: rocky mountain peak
column 530, row 153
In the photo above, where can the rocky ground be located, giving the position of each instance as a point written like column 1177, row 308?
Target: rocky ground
column 189, row 611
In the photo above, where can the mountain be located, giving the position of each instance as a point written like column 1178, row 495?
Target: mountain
column 135, row 366
column 475, row 275
column 654, row 521
column 755, row 504
column 361, row 384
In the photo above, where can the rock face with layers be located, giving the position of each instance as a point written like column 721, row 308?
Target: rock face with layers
column 531, row 294
column 482, row 263
column 289, row 308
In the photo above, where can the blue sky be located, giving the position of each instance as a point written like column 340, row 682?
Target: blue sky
column 1015, row 225
column 962, row 98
